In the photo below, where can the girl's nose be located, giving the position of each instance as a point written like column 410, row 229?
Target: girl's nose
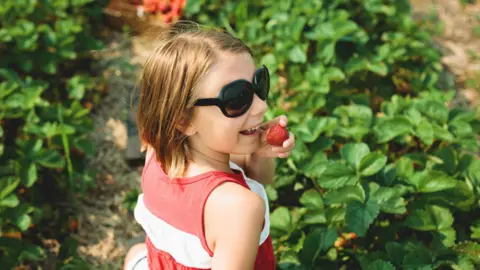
column 259, row 106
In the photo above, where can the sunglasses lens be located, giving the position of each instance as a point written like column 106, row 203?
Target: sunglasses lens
column 261, row 80
column 238, row 98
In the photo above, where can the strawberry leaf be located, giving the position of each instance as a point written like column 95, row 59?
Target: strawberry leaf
column 432, row 181
column 470, row 249
column 321, row 239
column 430, row 218
column 359, row 216
column 337, row 175
column 372, row 163
column 381, row 265
column 353, row 153
column 387, row 130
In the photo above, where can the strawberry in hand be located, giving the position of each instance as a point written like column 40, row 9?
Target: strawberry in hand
column 276, row 140
column 276, row 135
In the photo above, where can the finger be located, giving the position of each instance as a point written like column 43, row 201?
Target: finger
column 283, row 120
column 283, row 155
column 281, row 150
column 290, row 142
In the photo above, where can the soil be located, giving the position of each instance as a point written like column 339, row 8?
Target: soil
column 105, row 223
column 459, row 36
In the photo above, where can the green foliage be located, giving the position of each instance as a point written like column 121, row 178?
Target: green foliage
column 45, row 81
column 378, row 153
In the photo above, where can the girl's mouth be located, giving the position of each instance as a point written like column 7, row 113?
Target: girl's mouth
column 250, row 131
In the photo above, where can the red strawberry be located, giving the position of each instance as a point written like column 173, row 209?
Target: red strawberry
column 276, row 135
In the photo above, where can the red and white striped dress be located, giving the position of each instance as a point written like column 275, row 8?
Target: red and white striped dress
column 171, row 213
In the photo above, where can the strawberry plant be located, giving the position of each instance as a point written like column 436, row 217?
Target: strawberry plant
column 45, row 84
column 385, row 175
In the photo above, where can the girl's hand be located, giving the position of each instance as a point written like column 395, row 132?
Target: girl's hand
column 269, row 151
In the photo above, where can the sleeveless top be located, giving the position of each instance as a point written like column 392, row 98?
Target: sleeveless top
column 171, row 213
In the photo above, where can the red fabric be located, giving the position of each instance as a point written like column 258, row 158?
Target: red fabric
column 180, row 202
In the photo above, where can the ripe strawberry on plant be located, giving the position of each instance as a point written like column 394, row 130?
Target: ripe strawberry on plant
column 276, row 135
column 150, row 5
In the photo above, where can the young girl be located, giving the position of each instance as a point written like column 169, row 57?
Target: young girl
column 200, row 114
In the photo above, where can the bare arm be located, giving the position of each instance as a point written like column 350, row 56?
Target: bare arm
column 260, row 169
column 233, row 221
column 256, row 168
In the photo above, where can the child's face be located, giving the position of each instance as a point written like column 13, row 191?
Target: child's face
column 217, row 134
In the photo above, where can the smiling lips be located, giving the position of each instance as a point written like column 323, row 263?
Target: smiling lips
column 250, row 131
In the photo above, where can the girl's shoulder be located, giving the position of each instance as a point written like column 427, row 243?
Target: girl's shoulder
column 232, row 210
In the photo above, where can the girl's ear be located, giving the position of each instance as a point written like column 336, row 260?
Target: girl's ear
column 185, row 126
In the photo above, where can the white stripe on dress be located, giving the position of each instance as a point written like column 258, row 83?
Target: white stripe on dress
column 260, row 190
column 184, row 247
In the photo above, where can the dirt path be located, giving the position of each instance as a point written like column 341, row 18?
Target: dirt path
column 460, row 39
column 105, row 224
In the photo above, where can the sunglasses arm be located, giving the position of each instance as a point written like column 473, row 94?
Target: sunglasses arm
column 208, row 102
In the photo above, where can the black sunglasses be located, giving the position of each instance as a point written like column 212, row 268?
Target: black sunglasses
column 236, row 97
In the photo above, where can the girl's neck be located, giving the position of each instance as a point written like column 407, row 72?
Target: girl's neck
column 202, row 162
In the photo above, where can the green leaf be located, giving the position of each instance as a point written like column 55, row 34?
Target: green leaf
column 461, row 129
column 76, row 87
column 404, row 167
column 353, row 153
column 359, row 216
column 461, row 197
column 7, row 186
column 449, row 157
column 470, row 249
column 9, row 201
column 464, row 263
column 381, row 265
column 22, row 222
column 432, row 181
column 50, row 159
column 390, row 200
column 354, row 121
column 270, row 61
column 415, row 117
column 334, row 74
column 297, row 55
column 316, row 165
column 355, row 64
column 29, row 174
column 192, row 7
column 311, row 130
column 312, row 199
column 372, row 163
column 281, row 220
column 378, row 68
column 337, row 175
column 335, row 215
column 430, row 218
column 444, row 238
column 388, row 175
column 396, row 252
column 442, row 133
column 388, row 129
column 320, row 240
column 315, row 216
column 424, row 131
column 433, row 109
column 475, row 228
column 419, row 258
column 32, row 253
column 344, row 195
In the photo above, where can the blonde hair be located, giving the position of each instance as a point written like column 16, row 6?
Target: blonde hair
column 167, row 87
